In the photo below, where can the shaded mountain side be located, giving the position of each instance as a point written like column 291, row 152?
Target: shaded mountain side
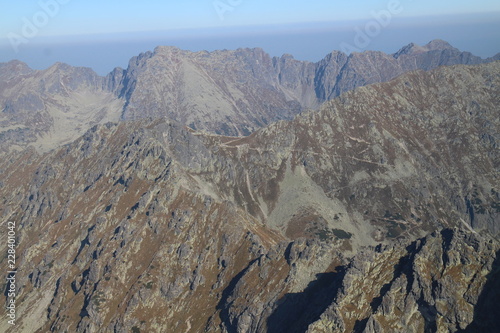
column 437, row 283
column 225, row 92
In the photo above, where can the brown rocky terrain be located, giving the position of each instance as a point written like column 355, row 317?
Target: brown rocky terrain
column 444, row 282
column 122, row 234
column 377, row 213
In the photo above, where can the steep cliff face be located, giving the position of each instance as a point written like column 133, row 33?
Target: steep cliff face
column 232, row 92
column 237, row 92
column 150, row 226
column 224, row 92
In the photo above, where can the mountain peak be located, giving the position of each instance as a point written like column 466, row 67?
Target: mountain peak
column 411, row 48
column 61, row 66
column 287, row 56
column 14, row 62
column 166, row 50
column 439, row 44
column 434, row 45
column 16, row 66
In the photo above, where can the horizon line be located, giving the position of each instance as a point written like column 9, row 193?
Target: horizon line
column 298, row 25
column 235, row 49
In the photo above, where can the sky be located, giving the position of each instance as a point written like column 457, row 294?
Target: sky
column 106, row 34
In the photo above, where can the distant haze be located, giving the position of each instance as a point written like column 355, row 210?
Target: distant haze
column 478, row 34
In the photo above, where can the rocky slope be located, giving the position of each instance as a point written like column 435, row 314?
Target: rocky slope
column 225, row 92
column 236, row 92
column 49, row 108
column 385, row 160
column 150, row 226
column 122, row 236
column 444, row 282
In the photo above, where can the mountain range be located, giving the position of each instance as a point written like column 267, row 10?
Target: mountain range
column 234, row 192
column 224, row 92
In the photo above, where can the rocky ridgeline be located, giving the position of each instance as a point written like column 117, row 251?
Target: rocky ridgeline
column 445, row 282
column 377, row 213
column 224, row 92
column 123, row 235
column 237, row 92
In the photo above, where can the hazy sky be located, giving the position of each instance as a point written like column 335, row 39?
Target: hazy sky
column 104, row 34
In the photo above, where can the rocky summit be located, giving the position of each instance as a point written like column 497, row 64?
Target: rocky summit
column 377, row 212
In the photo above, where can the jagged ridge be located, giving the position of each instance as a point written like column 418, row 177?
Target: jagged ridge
column 224, row 92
